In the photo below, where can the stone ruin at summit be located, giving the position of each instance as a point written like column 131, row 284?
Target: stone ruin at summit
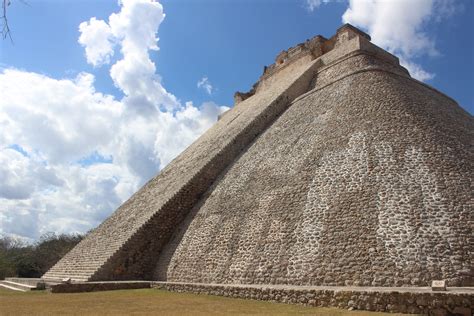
column 336, row 168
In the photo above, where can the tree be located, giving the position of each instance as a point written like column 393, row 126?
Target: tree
column 33, row 260
column 5, row 27
column 11, row 254
column 51, row 247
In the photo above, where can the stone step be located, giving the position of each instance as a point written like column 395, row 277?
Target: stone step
column 76, row 263
column 9, row 287
column 66, row 275
column 35, row 282
column 59, row 279
column 84, row 267
column 69, row 270
column 63, row 275
column 25, row 287
column 51, row 281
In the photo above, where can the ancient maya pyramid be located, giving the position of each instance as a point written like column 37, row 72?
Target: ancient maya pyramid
column 337, row 168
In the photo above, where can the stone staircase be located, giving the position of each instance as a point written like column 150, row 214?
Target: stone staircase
column 22, row 284
column 76, row 269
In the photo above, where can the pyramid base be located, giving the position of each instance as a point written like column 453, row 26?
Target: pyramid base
column 79, row 287
column 413, row 300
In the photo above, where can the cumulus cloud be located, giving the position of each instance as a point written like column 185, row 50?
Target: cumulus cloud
column 398, row 26
column 69, row 155
column 134, row 30
column 205, row 84
column 63, row 119
column 416, row 71
column 96, row 37
column 22, row 175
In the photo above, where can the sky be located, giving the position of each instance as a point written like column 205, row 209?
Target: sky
column 96, row 97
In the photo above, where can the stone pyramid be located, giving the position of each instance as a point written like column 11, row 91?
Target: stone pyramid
column 337, row 168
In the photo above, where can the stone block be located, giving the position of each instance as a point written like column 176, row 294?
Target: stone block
column 438, row 285
column 66, row 281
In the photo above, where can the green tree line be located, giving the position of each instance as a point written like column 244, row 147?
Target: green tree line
column 20, row 259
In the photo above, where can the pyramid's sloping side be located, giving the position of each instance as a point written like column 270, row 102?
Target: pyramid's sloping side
column 119, row 248
column 365, row 180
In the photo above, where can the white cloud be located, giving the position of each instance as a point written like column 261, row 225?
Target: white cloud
column 22, row 176
column 205, row 84
column 69, row 155
column 63, row 119
column 134, row 29
column 398, row 26
column 96, row 37
column 395, row 25
column 416, row 71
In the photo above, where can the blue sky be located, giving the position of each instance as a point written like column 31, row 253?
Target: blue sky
column 228, row 41
column 89, row 114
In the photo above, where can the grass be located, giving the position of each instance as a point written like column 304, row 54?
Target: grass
column 150, row 302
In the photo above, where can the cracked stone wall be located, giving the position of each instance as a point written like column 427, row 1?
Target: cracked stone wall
column 365, row 180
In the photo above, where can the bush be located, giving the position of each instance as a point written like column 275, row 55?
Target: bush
column 33, row 260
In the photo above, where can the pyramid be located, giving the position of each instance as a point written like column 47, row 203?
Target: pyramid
column 336, row 168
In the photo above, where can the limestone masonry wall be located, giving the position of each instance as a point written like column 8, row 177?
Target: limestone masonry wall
column 345, row 188
column 395, row 300
column 337, row 168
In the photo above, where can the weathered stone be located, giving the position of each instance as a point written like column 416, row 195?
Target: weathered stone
column 66, row 281
column 98, row 286
column 383, row 299
column 438, row 285
column 337, row 168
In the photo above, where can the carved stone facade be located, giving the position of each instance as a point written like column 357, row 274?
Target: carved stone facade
column 337, row 168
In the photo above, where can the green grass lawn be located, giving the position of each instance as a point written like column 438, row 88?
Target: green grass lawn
column 149, row 302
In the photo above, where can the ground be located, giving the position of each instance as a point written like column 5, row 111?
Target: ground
column 150, row 302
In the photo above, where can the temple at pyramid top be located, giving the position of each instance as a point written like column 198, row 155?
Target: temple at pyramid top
column 336, row 168
column 308, row 50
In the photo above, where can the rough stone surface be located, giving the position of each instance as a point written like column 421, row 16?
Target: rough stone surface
column 396, row 300
column 345, row 188
column 22, row 284
column 121, row 247
column 337, row 169
column 438, row 285
column 99, row 286
column 35, row 282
